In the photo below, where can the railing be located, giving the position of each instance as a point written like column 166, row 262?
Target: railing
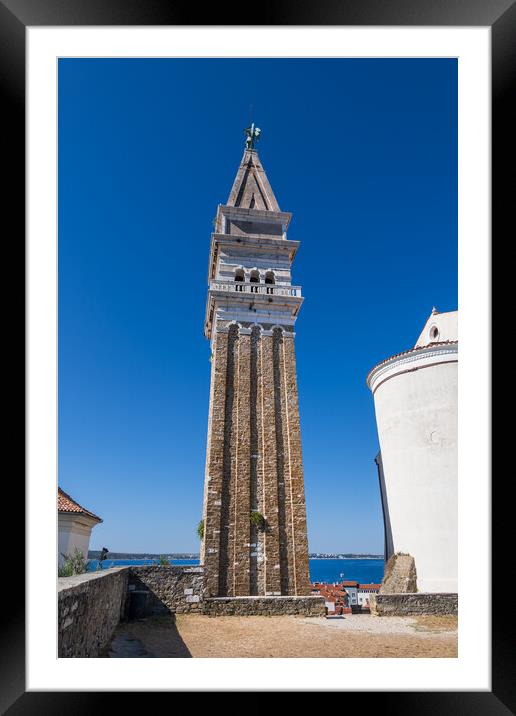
column 260, row 288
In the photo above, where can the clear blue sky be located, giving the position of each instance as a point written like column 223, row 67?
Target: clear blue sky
column 363, row 152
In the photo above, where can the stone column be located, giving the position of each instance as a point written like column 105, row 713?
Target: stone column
column 286, row 548
column 215, row 465
column 256, row 467
column 228, row 496
column 272, row 583
column 296, row 494
column 241, row 508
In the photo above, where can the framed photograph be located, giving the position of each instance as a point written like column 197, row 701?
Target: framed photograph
column 59, row 63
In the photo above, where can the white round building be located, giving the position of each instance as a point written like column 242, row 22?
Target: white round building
column 415, row 397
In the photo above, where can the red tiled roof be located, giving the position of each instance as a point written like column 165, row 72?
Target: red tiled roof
column 66, row 504
column 369, row 586
column 349, row 584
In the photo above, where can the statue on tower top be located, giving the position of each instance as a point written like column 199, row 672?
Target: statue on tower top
column 252, row 136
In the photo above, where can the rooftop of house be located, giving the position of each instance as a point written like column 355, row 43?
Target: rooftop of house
column 339, row 588
column 65, row 503
column 369, row 587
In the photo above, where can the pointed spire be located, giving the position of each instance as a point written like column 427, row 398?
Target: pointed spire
column 251, row 188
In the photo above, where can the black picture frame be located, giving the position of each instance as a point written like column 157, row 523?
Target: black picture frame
column 500, row 16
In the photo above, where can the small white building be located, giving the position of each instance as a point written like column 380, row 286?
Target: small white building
column 75, row 525
column 415, row 398
column 352, row 591
column 365, row 591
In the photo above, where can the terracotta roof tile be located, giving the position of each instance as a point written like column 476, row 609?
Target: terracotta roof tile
column 369, row 586
column 66, row 504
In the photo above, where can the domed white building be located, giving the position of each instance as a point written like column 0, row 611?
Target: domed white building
column 415, row 397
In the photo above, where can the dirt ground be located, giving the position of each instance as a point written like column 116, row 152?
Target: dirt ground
column 360, row 635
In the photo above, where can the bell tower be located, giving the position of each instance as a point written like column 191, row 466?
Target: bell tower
column 255, row 540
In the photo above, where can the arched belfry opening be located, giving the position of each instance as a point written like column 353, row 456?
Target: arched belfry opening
column 254, row 278
column 239, row 279
column 270, row 280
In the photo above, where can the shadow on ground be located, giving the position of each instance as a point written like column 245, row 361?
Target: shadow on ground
column 150, row 638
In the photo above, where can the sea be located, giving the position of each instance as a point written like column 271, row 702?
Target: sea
column 365, row 571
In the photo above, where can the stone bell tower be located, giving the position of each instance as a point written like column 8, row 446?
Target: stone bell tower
column 255, row 540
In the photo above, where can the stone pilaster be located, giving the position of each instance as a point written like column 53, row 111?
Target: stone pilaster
column 272, row 582
column 229, row 467
column 283, row 485
column 242, row 500
column 215, row 465
column 257, row 564
column 299, row 554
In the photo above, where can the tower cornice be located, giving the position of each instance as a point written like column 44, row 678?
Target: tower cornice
column 222, row 294
column 259, row 244
column 283, row 217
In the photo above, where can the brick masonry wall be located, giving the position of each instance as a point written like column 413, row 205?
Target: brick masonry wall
column 264, row 606
column 162, row 589
column 89, row 608
column 418, row 604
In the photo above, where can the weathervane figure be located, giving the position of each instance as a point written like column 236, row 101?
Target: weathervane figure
column 252, row 136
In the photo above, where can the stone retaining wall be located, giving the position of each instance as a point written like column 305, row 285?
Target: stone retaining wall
column 416, row 604
column 89, row 608
column 158, row 589
column 312, row 606
column 91, row 605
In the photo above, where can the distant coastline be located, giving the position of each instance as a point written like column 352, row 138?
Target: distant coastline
column 330, row 570
column 375, row 557
column 319, row 555
column 95, row 554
